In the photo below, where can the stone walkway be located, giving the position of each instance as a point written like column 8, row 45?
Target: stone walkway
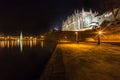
column 55, row 69
column 84, row 62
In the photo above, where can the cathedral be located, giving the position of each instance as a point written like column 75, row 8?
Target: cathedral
column 85, row 20
column 80, row 21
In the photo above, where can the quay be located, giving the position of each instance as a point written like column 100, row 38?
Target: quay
column 84, row 61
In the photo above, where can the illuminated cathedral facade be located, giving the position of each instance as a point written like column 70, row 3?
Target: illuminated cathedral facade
column 80, row 21
column 85, row 20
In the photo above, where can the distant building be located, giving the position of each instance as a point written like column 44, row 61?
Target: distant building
column 80, row 21
column 112, row 15
column 88, row 20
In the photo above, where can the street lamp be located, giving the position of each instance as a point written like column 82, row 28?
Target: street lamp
column 99, row 32
column 76, row 36
column 99, row 37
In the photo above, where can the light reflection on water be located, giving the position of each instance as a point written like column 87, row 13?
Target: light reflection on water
column 42, row 44
column 8, row 44
column 28, row 65
column 19, row 43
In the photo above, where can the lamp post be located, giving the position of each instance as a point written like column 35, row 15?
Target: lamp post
column 76, row 36
column 99, row 37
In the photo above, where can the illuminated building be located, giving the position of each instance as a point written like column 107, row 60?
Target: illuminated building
column 80, row 21
column 112, row 15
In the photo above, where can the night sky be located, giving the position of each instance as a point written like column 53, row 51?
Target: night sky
column 36, row 17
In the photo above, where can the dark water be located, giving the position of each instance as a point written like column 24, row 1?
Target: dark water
column 24, row 60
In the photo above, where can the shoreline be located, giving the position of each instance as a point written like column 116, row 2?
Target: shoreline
column 84, row 61
column 54, row 70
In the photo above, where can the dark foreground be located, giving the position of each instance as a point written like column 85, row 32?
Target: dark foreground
column 27, row 64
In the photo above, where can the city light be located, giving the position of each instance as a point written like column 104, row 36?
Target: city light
column 42, row 36
column 100, row 32
column 99, row 37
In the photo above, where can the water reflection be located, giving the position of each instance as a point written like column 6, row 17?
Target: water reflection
column 20, row 43
column 8, row 44
column 24, row 59
column 42, row 44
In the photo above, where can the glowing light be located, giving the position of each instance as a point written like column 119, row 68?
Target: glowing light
column 76, row 36
column 34, row 42
column 20, row 41
column 42, row 44
column 21, row 46
column 21, row 36
column 99, row 32
column 31, row 43
column 42, row 36
column 2, row 44
column 76, row 33
column 31, row 37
